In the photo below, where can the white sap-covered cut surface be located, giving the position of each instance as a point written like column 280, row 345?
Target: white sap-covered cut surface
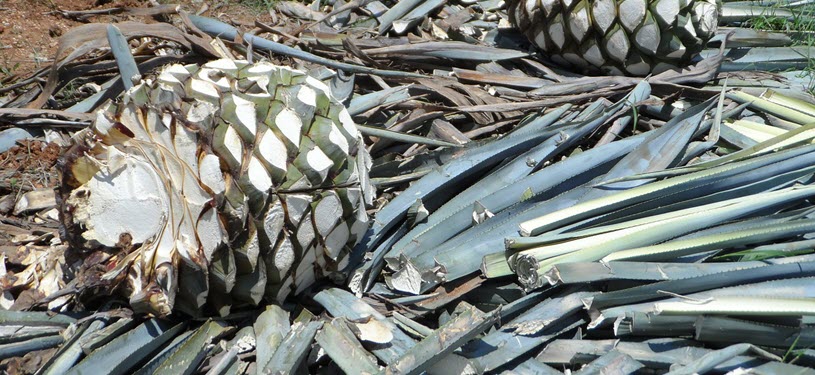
column 134, row 192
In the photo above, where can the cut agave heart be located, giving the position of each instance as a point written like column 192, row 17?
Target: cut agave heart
column 217, row 185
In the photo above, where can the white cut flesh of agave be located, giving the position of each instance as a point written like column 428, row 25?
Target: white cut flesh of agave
column 130, row 200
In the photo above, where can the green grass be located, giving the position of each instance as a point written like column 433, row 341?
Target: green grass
column 801, row 28
column 8, row 70
column 260, row 5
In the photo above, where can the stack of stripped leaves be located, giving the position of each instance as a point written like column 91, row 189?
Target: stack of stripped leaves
column 526, row 220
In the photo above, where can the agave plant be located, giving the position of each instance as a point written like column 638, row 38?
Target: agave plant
column 224, row 183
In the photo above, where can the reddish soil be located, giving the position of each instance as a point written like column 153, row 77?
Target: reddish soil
column 30, row 165
column 30, row 29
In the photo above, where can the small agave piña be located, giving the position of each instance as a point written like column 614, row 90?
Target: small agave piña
column 619, row 37
column 215, row 186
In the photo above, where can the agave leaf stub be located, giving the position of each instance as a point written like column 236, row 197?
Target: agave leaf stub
column 256, row 161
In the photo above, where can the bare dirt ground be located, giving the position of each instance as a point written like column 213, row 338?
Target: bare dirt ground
column 30, row 29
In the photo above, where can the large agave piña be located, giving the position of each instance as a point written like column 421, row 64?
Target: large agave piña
column 218, row 185
column 620, row 37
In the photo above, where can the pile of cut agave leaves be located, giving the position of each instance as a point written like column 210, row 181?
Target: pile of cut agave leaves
column 527, row 220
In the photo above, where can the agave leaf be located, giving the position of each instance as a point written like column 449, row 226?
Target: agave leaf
column 459, row 255
column 789, row 139
column 188, row 356
column 531, row 366
column 789, row 102
column 242, row 342
column 661, row 143
column 505, row 181
column 747, row 236
column 271, row 326
column 662, row 148
column 469, row 161
column 124, row 59
column 614, row 362
column 736, row 12
column 548, row 182
column 415, row 16
column 340, row 303
column 293, row 349
column 544, row 314
column 567, row 241
column 128, row 349
column 94, row 340
column 792, row 288
column 71, row 351
column 411, row 325
column 741, row 185
column 659, row 354
column 701, row 283
column 639, row 93
column 773, row 59
column 437, row 183
column 488, row 236
column 362, row 103
column 696, row 149
column 344, row 349
column 642, row 324
column 225, row 31
column 534, row 327
column 397, row 11
column 403, row 137
column 516, row 345
column 661, row 188
column 745, row 134
column 34, row 318
column 586, row 272
column 21, row 348
column 719, row 329
column 17, row 333
column 772, row 108
column 453, row 334
column 740, row 306
column 714, row 358
column 744, row 37
column 449, row 50
column 668, row 226
column 646, row 214
column 150, row 367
